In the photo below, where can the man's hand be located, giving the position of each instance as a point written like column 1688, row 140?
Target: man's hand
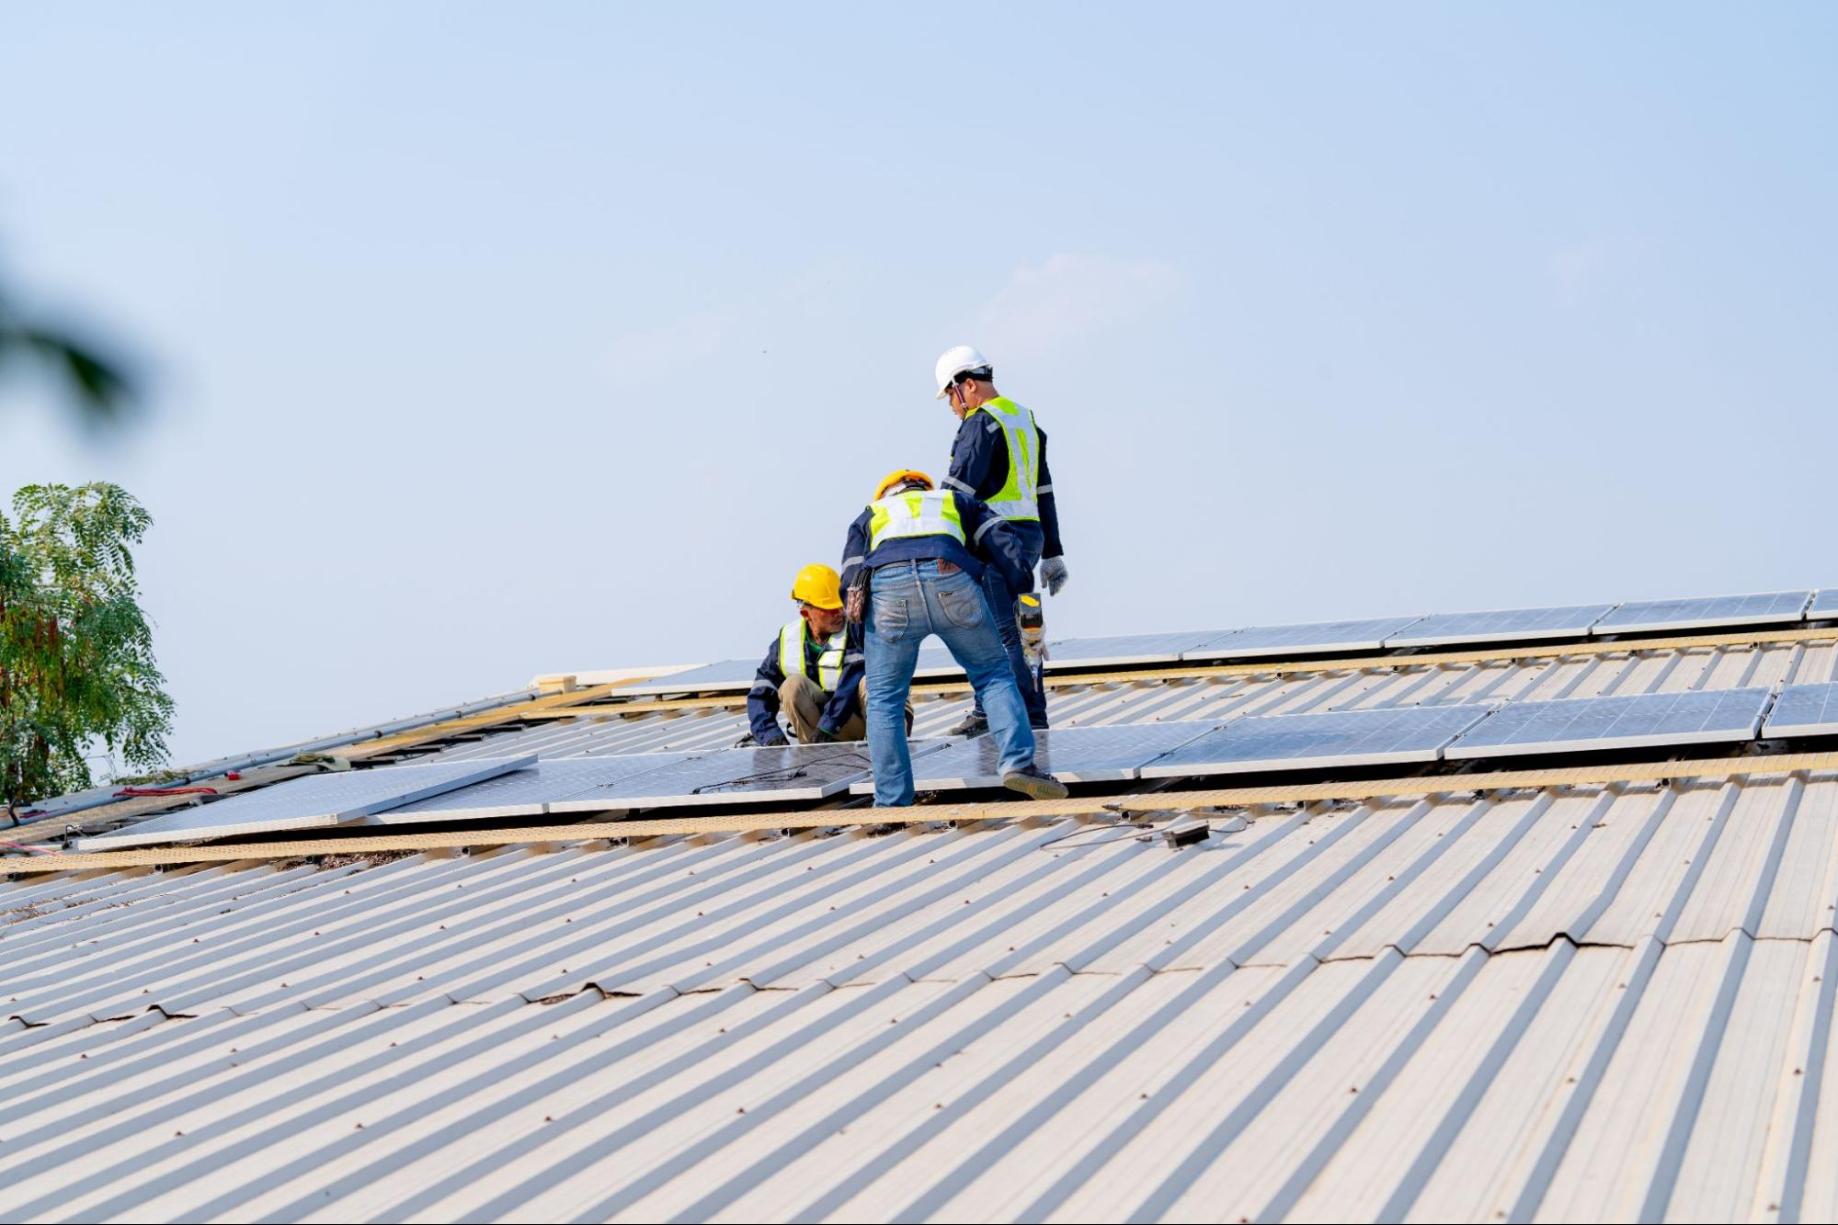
column 1053, row 574
column 854, row 604
column 775, row 739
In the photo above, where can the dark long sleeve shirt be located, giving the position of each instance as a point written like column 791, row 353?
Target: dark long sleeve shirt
column 763, row 698
column 989, row 540
column 979, row 467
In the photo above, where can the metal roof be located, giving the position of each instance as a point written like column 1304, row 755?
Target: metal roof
column 1547, row 999
column 1584, row 1003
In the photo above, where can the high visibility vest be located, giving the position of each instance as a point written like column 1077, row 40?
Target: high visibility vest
column 916, row 512
column 829, row 664
column 1019, row 497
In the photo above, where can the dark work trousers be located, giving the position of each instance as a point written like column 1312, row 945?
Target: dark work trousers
column 1002, row 604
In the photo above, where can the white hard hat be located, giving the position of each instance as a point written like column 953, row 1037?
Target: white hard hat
column 953, row 362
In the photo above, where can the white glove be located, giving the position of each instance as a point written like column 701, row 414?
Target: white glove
column 1053, row 574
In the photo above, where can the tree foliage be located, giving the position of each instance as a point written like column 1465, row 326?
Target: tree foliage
column 76, row 651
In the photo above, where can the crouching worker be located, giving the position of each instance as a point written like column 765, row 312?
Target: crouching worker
column 912, row 564
column 812, row 671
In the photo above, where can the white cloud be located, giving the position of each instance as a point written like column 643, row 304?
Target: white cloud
column 1071, row 298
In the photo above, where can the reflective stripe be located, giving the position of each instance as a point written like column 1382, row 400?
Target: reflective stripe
column 1018, row 498
column 957, row 484
column 853, row 561
column 903, row 516
column 987, row 524
column 829, row 664
column 1043, row 489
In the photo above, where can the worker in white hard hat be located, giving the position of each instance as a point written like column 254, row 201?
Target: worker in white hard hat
column 1000, row 457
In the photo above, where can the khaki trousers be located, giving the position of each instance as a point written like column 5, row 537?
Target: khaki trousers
column 802, row 702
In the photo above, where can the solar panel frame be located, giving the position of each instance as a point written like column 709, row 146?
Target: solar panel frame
column 1501, row 625
column 1404, row 735
column 1107, row 752
column 1707, row 716
column 1803, row 710
column 315, row 801
column 528, row 792
column 1307, row 638
column 1824, row 606
column 734, row 776
column 722, row 676
column 1705, row 612
column 1124, row 650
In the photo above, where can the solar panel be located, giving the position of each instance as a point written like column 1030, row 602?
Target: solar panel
column 726, row 675
column 1704, row 612
column 804, row 772
column 1317, row 636
column 935, row 663
column 307, row 803
column 1824, row 605
column 1298, row 742
column 1507, row 625
column 1804, row 710
column 1707, row 716
column 528, row 792
column 1124, row 650
column 1073, row 754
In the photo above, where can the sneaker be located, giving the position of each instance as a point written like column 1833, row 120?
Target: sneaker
column 973, row 724
column 1035, row 784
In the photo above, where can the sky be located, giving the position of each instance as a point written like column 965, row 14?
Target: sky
column 484, row 341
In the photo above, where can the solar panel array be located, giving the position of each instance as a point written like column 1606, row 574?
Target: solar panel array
column 312, row 802
column 1074, row 754
column 1804, row 710
column 1706, row 716
column 1705, row 612
column 1125, row 650
column 1410, row 734
column 1508, row 625
column 527, row 792
column 1326, row 637
column 804, row 772
column 1262, row 641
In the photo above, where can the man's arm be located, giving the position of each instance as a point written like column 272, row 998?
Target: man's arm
column 854, row 550
column 979, row 457
column 996, row 543
column 1049, row 509
column 843, row 702
column 763, row 699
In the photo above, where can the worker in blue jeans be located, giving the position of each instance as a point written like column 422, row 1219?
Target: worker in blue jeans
column 912, row 567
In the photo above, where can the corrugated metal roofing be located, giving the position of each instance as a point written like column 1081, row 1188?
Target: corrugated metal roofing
column 1562, row 1004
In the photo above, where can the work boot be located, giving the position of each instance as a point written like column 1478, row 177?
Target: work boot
column 1035, row 784
column 973, row 724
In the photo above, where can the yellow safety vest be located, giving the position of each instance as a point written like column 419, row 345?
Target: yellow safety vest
column 1019, row 497
column 829, row 664
column 917, row 512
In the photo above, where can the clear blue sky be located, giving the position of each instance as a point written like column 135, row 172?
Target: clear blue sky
column 494, row 340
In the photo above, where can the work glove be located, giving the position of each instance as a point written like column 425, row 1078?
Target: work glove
column 820, row 736
column 1053, row 574
column 774, row 739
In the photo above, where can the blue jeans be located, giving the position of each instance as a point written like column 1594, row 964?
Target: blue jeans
column 1002, row 603
column 909, row 600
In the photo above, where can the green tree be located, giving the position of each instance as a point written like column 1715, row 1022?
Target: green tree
column 76, row 652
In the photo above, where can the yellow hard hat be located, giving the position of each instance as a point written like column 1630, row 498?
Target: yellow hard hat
column 819, row 586
column 899, row 477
